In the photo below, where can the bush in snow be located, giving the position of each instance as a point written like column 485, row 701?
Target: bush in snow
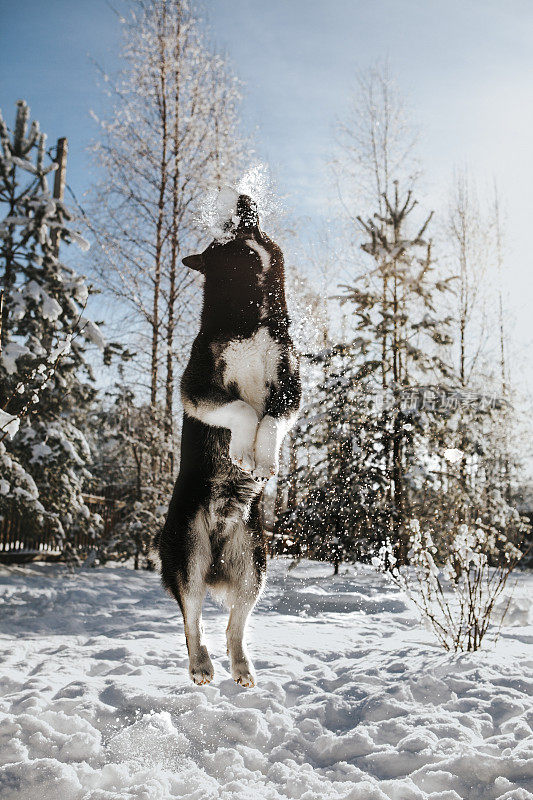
column 458, row 599
column 45, row 381
column 135, row 466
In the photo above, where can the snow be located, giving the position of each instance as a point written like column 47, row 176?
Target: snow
column 8, row 424
column 355, row 700
column 453, row 455
column 62, row 349
column 79, row 239
column 217, row 210
column 92, row 332
column 40, row 451
column 10, row 353
column 51, row 308
column 257, row 183
column 219, row 207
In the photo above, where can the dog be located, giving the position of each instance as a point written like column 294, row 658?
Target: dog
column 240, row 393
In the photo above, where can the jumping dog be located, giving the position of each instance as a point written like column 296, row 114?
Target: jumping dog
column 240, row 393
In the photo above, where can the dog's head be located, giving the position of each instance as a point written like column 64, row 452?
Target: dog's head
column 241, row 223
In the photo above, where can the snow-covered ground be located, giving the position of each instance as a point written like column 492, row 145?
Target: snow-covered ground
column 355, row 701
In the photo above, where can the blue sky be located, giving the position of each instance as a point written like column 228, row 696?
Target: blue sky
column 466, row 67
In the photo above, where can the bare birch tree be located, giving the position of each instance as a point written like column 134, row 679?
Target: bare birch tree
column 172, row 132
column 375, row 142
column 498, row 235
column 468, row 238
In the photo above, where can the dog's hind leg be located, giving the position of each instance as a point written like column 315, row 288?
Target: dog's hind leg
column 242, row 670
column 200, row 665
column 246, row 560
column 190, row 600
column 185, row 557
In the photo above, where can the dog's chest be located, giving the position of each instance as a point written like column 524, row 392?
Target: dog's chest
column 252, row 366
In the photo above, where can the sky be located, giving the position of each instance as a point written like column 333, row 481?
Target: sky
column 465, row 67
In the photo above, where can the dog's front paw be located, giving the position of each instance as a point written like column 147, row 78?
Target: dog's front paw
column 264, row 469
column 266, row 448
column 242, row 454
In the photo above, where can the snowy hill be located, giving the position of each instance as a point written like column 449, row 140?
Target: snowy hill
column 355, row 700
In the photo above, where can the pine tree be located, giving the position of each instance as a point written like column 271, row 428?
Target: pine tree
column 342, row 512
column 45, row 380
column 401, row 336
column 366, row 435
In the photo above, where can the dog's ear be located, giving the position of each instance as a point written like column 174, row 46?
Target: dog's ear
column 194, row 262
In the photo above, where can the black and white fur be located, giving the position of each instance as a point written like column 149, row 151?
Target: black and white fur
column 240, row 394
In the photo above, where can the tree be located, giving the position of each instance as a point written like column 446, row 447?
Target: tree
column 400, row 335
column 468, row 237
column 485, row 475
column 45, row 379
column 172, row 133
column 342, row 512
column 130, row 441
column 376, row 143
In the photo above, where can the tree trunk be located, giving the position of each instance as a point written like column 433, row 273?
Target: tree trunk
column 400, row 536
column 292, row 483
column 174, row 244
column 279, row 502
column 162, row 88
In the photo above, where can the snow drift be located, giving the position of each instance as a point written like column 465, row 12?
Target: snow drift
column 355, row 701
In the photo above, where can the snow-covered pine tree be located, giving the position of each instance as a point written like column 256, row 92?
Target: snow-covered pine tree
column 402, row 339
column 45, row 380
column 342, row 511
column 364, row 436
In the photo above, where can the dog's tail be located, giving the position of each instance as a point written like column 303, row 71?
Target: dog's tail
column 153, row 553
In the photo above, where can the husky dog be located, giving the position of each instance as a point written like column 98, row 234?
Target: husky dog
column 240, row 393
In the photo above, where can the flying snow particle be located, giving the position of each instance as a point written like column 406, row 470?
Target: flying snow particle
column 218, row 208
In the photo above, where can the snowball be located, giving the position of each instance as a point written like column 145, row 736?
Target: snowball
column 218, row 210
column 219, row 207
